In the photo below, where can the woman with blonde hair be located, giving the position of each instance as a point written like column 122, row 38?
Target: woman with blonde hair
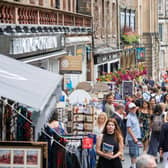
column 109, row 146
column 100, row 123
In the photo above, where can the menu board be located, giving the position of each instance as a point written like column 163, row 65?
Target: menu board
column 127, row 88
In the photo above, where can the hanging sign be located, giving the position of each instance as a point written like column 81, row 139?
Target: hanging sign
column 71, row 64
column 87, row 143
column 140, row 54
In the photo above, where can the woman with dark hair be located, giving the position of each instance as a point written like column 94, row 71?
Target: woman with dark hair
column 144, row 116
column 156, row 124
column 109, row 146
column 152, row 103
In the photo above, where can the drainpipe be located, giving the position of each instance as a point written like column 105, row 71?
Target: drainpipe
column 118, row 26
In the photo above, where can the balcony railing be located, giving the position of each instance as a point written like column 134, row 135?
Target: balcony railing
column 15, row 13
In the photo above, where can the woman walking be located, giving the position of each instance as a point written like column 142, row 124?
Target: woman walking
column 109, row 146
column 144, row 116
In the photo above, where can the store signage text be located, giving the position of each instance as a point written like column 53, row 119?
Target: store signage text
column 32, row 44
column 105, row 58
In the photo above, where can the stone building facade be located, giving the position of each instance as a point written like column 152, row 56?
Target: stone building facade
column 144, row 21
column 110, row 20
column 105, row 36
column 47, row 34
column 163, row 32
column 148, row 30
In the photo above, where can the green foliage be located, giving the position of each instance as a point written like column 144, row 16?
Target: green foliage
column 130, row 37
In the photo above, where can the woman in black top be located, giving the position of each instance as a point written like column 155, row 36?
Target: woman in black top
column 109, row 146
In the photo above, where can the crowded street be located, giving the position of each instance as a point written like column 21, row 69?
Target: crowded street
column 83, row 84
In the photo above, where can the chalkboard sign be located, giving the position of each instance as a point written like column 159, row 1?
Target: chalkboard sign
column 127, row 88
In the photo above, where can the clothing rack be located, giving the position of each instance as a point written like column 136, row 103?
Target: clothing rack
column 12, row 106
column 30, row 122
column 52, row 139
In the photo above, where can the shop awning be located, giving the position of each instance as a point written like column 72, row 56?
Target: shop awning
column 105, row 50
column 26, row 84
column 56, row 54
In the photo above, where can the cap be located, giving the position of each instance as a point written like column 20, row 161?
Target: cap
column 131, row 105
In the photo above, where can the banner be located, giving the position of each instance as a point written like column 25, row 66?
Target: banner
column 140, row 54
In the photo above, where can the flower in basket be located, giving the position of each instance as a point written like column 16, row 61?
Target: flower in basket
column 129, row 36
column 123, row 74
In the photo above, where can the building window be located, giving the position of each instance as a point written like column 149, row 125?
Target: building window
column 114, row 66
column 122, row 20
column 132, row 21
column 57, row 4
column 160, row 7
column 127, row 19
column 102, row 69
column 161, row 31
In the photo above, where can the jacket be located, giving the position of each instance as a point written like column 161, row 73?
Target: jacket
column 163, row 143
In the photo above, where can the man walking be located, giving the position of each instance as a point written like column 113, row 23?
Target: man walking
column 133, row 133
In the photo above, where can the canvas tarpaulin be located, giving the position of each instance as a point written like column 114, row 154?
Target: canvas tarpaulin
column 26, row 84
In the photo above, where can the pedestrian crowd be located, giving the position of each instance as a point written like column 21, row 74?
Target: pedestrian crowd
column 140, row 122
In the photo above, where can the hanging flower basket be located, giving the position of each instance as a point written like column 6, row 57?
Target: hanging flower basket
column 123, row 74
column 130, row 37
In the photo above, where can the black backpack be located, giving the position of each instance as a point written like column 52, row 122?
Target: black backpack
column 157, row 123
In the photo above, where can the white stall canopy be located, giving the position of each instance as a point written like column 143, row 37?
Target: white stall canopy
column 26, row 84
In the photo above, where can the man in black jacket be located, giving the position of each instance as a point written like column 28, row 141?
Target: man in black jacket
column 119, row 116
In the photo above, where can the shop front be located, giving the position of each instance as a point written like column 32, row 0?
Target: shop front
column 40, row 49
column 75, row 66
column 106, row 62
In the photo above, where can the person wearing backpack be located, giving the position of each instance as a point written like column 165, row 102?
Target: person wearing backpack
column 156, row 124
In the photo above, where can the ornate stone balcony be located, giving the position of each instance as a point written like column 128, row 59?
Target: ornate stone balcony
column 16, row 13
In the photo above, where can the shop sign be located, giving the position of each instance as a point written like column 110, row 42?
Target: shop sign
column 31, row 45
column 71, row 64
column 105, row 58
column 140, row 54
column 87, row 143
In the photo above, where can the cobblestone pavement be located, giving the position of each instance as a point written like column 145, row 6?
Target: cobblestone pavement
column 127, row 162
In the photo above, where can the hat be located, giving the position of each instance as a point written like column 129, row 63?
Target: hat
column 131, row 105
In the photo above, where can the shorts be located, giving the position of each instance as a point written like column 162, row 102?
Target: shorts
column 133, row 149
